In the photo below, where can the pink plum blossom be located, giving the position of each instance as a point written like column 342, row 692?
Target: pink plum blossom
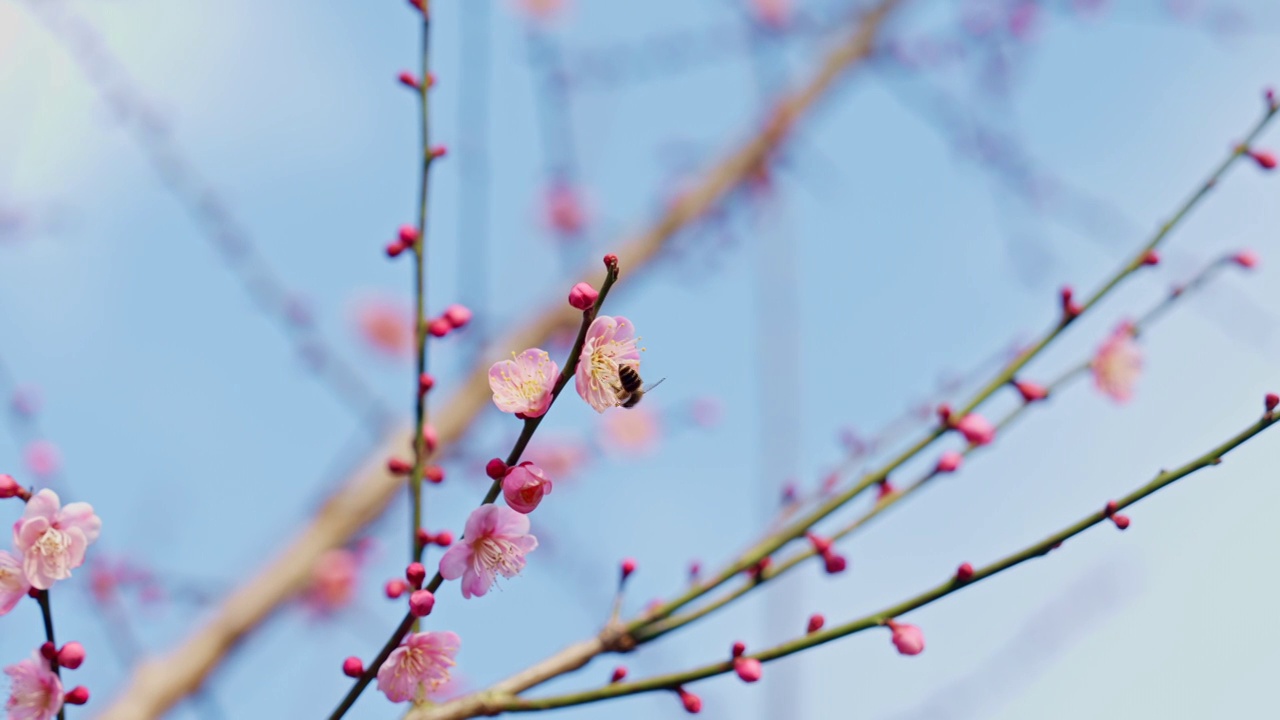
column 524, row 487
column 907, row 638
column 1117, row 364
column 495, row 542
column 610, row 343
column 333, row 580
column 524, row 383
column 565, row 210
column 35, row 692
column 636, row 432
column 418, row 667
column 53, row 539
column 387, row 326
column 13, row 583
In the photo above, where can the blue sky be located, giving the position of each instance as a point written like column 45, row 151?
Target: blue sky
column 190, row 423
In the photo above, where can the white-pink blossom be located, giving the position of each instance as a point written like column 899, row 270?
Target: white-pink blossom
column 610, row 343
column 13, row 582
column 495, row 542
column 524, row 383
column 52, row 539
column 418, row 667
column 35, row 692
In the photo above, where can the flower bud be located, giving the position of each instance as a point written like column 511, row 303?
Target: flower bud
column 496, row 469
column 628, row 567
column 9, row 487
column 619, row 673
column 816, row 621
column 399, row 466
column 748, row 669
column 583, row 296
column 1031, row 391
column 71, row 655
column 457, row 315
column 444, row 538
column 692, row 703
column 907, row 638
column 439, row 327
column 964, row 573
column 78, row 695
column 415, row 573
column 352, row 667
column 395, row 588
column 949, row 462
column 1246, row 259
column 421, row 602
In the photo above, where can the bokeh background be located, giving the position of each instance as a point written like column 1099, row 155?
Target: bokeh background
column 919, row 225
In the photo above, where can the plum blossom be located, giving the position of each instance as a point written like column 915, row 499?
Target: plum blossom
column 35, row 692
column 634, row 433
column 1117, row 364
column 386, row 326
column 524, row 487
column 13, row 583
column 418, row 667
column 495, row 542
column 53, row 539
column 333, row 580
column 610, row 343
column 524, row 383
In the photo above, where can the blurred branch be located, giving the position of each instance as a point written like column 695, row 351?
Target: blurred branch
column 156, row 685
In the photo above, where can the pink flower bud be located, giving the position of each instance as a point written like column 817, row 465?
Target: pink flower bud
column 78, row 695
column 949, row 462
column 430, row 438
column 738, row 649
column 748, row 669
column 439, row 327
column 395, row 588
column 1151, row 258
column 415, row 573
column 1031, row 391
column 444, row 538
column 834, row 563
column 944, row 413
column 695, row 570
column 394, row 248
column 583, row 296
column 816, row 621
column 438, row 152
column 524, row 487
column 1110, row 508
column 619, row 673
column 496, row 469
column 1266, row 160
column 692, row 703
column 398, row 466
column 1121, row 521
column 964, row 573
column 628, row 567
column 9, row 487
column 425, row 383
column 409, row 235
column 976, row 429
column 421, row 602
column 71, row 655
column 611, row 261
column 423, row 537
column 433, row 474
column 48, row 651
column 409, row 80
column 352, row 667
column 457, row 315
column 907, row 638
column 1270, row 402
column 1070, row 308
column 1246, row 259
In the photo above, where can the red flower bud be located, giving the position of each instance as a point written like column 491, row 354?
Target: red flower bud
column 692, row 703
column 433, row 474
column 78, row 695
column 496, row 469
column 415, row 574
column 628, row 567
column 748, row 669
column 816, row 622
column 964, row 573
column 352, row 667
column 71, row 655
column 619, row 673
column 444, row 538
column 395, row 588
column 398, row 466
column 421, row 602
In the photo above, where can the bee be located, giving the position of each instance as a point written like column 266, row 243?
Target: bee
column 629, row 388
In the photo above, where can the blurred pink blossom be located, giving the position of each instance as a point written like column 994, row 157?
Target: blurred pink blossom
column 386, row 326
column 419, row 666
column 773, row 13
column 333, row 581
column 566, row 212
column 35, row 691
column 494, row 543
column 1117, row 364
column 43, row 459
column 558, row 457
column 634, row 432
column 53, row 539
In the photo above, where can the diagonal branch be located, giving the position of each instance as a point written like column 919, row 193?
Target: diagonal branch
column 156, row 685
